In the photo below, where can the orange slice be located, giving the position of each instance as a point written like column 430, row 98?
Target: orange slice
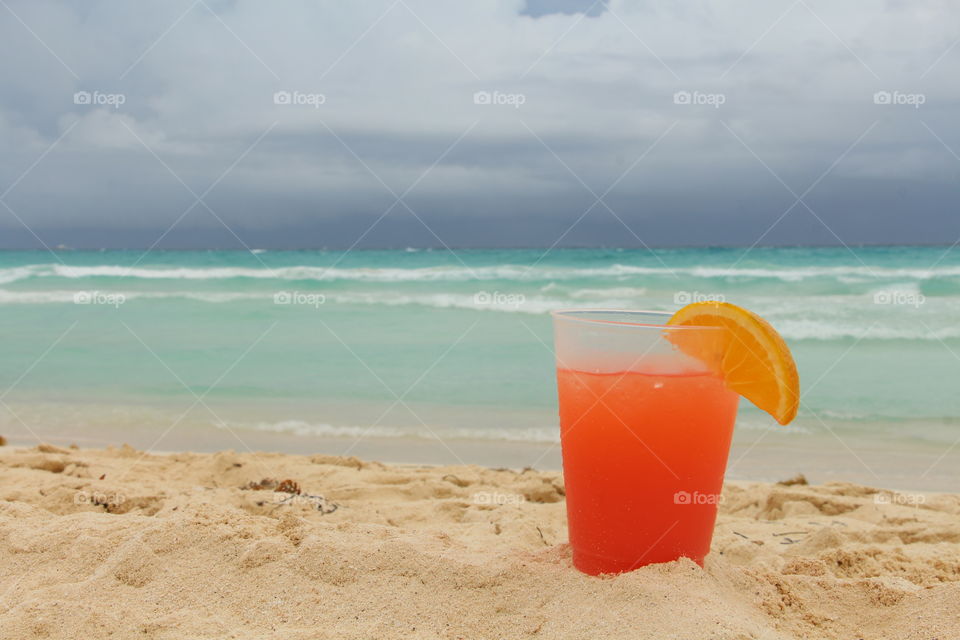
column 750, row 356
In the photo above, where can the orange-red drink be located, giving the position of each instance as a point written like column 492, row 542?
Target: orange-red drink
column 643, row 460
column 645, row 432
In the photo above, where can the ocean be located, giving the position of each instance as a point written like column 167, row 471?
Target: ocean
column 436, row 355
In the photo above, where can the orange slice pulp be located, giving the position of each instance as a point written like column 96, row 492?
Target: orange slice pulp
column 750, row 356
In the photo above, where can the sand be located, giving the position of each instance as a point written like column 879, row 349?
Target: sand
column 119, row 543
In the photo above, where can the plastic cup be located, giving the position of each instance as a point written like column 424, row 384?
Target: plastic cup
column 645, row 431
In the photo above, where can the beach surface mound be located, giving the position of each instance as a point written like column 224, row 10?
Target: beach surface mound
column 121, row 543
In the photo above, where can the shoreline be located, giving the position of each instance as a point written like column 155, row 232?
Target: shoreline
column 762, row 466
column 761, row 456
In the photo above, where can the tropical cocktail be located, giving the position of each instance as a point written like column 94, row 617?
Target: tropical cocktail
column 647, row 407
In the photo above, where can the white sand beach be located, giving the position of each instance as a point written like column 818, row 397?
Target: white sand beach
column 121, row 543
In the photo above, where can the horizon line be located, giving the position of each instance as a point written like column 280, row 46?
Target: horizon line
column 486, row 248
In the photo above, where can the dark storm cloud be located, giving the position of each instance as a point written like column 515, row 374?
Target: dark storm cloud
column 500, row 123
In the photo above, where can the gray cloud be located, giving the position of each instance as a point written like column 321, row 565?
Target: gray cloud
column 568, row 105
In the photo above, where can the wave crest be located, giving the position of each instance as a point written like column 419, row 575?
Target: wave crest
column 463, row 273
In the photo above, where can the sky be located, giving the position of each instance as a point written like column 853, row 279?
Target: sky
column 394, row 123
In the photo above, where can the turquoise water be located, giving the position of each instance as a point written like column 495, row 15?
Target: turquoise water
column 323, row 343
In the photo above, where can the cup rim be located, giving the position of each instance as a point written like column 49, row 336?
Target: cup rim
column 573, row 313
